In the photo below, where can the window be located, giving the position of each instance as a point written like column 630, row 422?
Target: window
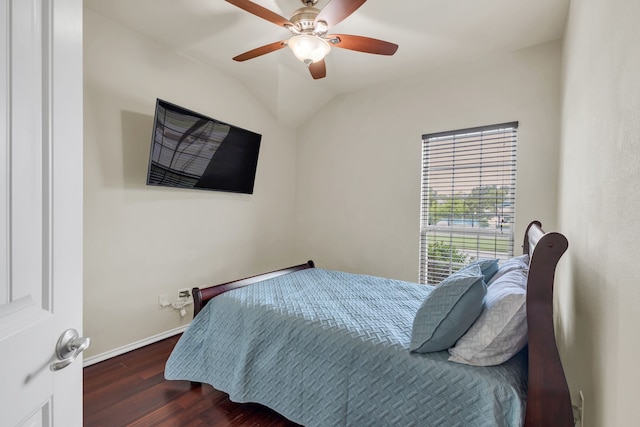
column 468, row 198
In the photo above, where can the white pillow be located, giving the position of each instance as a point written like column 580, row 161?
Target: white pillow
column 501, row 329
column 516, row 263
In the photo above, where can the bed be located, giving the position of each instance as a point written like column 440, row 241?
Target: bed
column 329, row 348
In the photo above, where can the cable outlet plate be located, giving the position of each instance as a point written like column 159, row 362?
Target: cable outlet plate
column 163, row 301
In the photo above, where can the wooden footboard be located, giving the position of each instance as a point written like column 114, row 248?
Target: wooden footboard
column 202, row 295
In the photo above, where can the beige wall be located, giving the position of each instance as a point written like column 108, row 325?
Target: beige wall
column 598, row 282
column 359, row 158
column 140, row 241
column 357, row 168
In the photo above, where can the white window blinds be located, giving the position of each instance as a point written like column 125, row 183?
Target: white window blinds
column 468, row 198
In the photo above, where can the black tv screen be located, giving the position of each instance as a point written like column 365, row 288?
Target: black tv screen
column 189, row 150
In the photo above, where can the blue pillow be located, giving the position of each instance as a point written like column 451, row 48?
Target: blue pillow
column 448, row 311
column 489, row 267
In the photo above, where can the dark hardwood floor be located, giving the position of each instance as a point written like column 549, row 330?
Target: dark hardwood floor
column 130, row 390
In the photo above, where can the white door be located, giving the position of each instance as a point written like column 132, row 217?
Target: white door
column 40, row 210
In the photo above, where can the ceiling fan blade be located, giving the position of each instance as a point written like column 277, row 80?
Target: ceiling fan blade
column 337, row 10
column 364, row 44
column 318, row 69
column 261, row 12
column 259, row 51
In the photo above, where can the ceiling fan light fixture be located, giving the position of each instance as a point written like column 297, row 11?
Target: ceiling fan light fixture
column 308, row 48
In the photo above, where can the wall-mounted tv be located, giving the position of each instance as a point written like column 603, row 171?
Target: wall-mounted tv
column 190, row 150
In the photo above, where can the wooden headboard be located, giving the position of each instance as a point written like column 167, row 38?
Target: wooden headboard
column 548, row 398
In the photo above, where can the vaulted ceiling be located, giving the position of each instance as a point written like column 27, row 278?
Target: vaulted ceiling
column 430, row 34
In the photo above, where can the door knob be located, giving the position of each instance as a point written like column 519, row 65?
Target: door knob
column 70, row 345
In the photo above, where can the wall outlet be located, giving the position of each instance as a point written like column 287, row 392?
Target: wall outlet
column 184, row 295
column 581, row 409
column 163, row 301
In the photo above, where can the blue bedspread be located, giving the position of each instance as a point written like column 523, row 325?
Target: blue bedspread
column 328, row 348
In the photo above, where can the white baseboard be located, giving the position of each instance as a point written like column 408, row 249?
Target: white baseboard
column 133, row 346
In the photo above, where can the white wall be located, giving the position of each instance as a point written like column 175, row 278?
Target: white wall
column 359, row 158
column 143, row 241
column 598, row 283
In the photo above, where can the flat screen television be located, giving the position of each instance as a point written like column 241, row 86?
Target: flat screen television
column 190, row 150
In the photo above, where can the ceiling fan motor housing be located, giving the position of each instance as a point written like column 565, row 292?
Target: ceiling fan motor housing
column 304, row 19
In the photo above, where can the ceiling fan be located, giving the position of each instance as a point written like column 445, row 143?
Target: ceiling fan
column 310, row 41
